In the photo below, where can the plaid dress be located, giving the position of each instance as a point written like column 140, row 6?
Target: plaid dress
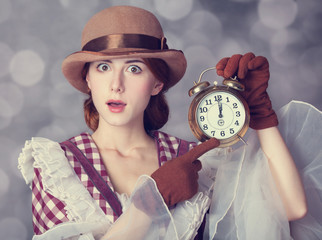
column 49, row 211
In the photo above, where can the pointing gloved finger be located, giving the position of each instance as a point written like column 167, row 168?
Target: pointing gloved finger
column 202, row 148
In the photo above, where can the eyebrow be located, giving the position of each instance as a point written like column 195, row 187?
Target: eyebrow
column 129, row 61
column 134, row 61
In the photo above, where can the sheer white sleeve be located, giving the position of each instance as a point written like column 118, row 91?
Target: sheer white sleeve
column 301, row 127
column 245, row 203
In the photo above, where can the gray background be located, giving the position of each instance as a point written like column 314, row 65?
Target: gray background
column 36, row 35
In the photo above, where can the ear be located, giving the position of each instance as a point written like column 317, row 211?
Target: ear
column 157, row 88
column 88, row 81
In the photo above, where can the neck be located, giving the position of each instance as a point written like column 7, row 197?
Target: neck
column 122, row 139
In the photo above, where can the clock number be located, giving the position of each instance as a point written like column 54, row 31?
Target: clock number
column 231, row 130
column 218, row 98
column 222, row 133
column 237, row 123
column 235, row 105
column 208, row 102
column 202, row 118
column 205, row 127
column 203, row 109
column 238, row 114
column 227, row 99
column 213, row 133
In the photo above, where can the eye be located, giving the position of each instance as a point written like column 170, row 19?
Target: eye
column 102, row 67
column 134, row 69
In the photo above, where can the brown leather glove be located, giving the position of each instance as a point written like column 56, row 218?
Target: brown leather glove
column 253, row 72
column 177, row 179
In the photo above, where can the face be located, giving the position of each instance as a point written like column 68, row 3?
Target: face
column 121, row 90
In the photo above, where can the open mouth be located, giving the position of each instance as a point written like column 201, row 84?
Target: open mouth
column 116, row 106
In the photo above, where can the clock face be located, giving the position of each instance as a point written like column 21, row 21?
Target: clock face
column 220, row 114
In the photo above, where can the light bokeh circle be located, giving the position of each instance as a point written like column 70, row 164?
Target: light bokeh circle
column 27, row 67
column 277, row 14
column 173, row 10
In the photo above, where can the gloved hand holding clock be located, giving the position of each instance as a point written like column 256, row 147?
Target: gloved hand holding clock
column 253, row 72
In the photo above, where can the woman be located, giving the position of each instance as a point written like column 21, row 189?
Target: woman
column 128, row 180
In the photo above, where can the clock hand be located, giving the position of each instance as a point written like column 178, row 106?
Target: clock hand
column 220, row 109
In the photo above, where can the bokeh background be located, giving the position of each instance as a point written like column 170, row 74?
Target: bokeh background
column 36, row 100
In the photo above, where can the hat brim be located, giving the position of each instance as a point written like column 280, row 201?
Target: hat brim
column 73, row 64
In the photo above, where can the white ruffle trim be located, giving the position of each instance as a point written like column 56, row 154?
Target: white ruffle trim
column 59, row 179
column 188, row 215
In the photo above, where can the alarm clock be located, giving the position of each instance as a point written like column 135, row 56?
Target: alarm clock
column 218, row 111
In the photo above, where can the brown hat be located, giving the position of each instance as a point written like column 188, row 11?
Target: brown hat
column 118, row 32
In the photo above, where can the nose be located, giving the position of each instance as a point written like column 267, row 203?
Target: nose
column 117, row 84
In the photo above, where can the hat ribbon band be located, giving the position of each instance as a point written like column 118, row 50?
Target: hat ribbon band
column 114, row 41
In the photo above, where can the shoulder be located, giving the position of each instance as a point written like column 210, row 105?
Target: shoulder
column 83, row 142
column 167, row 139
column 80, row 145
column 82, row 138
column 171, row 139
column 170, row 146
